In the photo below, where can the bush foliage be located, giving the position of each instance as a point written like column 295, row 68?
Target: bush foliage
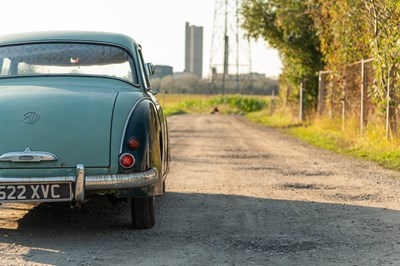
column 316, row 34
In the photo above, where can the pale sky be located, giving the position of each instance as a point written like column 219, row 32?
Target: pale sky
column 158, row 25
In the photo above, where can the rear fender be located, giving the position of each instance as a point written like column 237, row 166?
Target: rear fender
column 144, row 125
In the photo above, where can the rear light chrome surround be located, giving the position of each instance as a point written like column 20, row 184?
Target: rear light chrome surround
column 127, row 161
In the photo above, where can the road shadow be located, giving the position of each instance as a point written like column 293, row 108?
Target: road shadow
column 216, row 229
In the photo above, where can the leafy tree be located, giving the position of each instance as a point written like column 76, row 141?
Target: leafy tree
column 342, row 31
column 350, row 30
column 383, row 18
column 189, row 83
column 288, row 26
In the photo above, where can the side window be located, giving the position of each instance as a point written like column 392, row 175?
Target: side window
column 144, row 72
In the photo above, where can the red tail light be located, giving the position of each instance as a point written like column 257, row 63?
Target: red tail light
column 126, row 160
column 133, row 143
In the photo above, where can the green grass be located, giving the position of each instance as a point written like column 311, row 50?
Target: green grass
column 321, row 132
column 325, row 140
column 280, row 119
column 372, row 145
column 200, row 104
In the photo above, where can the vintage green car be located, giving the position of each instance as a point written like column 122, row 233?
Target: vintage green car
column 78, row 118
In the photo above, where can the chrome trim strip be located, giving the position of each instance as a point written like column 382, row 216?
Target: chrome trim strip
column 28, row 156
column 133, row 159
column 93, row 182
column 80, row 183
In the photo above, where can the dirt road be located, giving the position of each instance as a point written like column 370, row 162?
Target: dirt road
column 238, row 194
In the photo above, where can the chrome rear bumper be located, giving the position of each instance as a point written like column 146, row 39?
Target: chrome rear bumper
column 91, row 182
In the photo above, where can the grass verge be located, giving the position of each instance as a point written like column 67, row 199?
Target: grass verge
column 368, row 146
column 321, row 132
column 328, row 134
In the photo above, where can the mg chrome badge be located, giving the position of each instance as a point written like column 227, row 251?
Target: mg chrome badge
column 31, row 117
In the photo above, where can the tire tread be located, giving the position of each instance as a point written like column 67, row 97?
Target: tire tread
column 142, row 209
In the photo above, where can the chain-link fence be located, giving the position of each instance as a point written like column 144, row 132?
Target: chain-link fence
column 349, row 96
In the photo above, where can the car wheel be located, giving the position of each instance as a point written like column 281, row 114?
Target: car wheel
column 142, row 212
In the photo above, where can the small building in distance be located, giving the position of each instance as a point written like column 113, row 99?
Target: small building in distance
column 194, row 50
column 162, row 71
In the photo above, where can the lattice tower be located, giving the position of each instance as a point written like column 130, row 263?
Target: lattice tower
column 230, row 56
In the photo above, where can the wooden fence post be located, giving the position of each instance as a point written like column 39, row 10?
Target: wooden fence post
column 388, row 106
column 272, row 103
column 321, row 94
column 344, row 101
column 301, row 117
column 362, row 98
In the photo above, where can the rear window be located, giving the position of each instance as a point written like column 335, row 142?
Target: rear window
column 67, row 59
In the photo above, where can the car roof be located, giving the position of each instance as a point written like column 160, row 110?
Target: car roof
column 84, row 36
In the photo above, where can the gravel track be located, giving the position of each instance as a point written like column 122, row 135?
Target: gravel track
column 237, row 194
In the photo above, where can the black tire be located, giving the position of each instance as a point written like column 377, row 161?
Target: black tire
column 142, row 209
column 163, row 187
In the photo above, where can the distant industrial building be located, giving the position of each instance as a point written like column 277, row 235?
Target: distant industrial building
column 194, row 50
column 162, row 71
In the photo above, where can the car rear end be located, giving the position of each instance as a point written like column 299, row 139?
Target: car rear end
column 66, row 110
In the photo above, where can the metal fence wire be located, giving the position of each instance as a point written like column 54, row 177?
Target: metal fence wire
column 348, row 96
